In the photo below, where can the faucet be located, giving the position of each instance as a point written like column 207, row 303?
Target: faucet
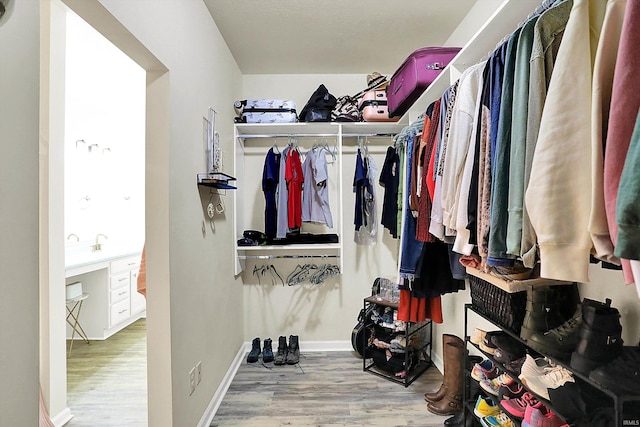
column 73, row 235
column 98, row 246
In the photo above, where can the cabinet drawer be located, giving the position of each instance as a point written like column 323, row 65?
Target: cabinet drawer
column 120, row 280
column 119, row 294
column 119, row 312
column 125, row 264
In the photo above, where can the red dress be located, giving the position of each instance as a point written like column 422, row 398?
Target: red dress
column 293, row 176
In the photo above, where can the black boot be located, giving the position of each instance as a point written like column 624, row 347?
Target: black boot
column 459, row 420
column 283, row 350
column 267, row 351
column 542, row 311
column 253, row 355
column 561, row 341
column 293, row 356
column 600, row 336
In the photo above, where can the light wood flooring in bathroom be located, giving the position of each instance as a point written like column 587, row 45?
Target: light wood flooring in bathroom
column 107, row 380
column 325, row 389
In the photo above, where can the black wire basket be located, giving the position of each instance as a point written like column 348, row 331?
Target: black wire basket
column 506, row 309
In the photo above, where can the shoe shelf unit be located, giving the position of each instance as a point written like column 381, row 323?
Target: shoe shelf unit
column 417, row 338
column 618, row 400
column 253, row 141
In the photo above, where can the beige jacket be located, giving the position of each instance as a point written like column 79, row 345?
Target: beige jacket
column 558, row 197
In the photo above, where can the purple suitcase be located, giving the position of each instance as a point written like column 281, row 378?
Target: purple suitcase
column 414, row 75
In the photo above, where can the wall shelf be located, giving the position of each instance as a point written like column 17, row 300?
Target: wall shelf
column 253, row 140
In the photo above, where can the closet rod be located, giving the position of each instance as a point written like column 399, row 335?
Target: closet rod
column 315, row 135
column 289, row 135
column 286, row 256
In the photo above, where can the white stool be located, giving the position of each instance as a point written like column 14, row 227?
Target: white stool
column 73, row 318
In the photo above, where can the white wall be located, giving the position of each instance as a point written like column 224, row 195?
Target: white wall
column 105, row 109
column 205, row 302
column 19, row 100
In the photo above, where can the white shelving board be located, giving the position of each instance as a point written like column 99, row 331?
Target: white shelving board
column 252, row 139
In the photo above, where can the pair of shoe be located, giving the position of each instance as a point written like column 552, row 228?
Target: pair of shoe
column 540, row 375
column 254, row 354
column 531, row 411
column 490, row 414
column 287, row 353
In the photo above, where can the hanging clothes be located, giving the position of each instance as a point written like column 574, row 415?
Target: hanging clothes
column 603, row 74
column 558, row 197
column 359, row 185
column 390, row 180
column 294, row 178
column 628, row 207
column 315, row 194
column 410, row 247
column 625, row 102
column 497, row 253
column 282, row 199
column 547, row 38
column 436, row 225
column 270, row 179
column 518, row 136
column 368, row 231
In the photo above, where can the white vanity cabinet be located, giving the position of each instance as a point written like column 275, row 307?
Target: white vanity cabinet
column 113, row 301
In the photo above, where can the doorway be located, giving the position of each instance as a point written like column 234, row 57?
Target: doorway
column 104, row 223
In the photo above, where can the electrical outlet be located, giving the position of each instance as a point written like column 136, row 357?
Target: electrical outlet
column 192, row 380
column 198, row 372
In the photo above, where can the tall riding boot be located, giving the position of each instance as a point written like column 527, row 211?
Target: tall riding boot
column 600, row 336
column 451, row 402
column 446, row 339
column 542, row 311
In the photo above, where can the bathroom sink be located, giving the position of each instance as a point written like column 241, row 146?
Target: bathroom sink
column 80, row 255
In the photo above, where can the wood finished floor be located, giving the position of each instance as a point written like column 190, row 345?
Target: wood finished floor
column 326, row 389
column 107, row 387
column 107, row 380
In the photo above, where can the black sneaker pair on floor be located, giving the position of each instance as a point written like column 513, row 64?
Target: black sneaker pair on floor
column 289, row 354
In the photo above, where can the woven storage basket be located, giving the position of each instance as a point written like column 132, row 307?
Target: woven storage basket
column 506, row 309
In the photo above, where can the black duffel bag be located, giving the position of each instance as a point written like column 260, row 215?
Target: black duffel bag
column 318, row 108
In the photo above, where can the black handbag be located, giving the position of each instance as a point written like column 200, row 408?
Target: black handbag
column 318, row 108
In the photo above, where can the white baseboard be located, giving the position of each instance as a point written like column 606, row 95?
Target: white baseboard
column 62, row 417
column 216, row 400
column 437, row 361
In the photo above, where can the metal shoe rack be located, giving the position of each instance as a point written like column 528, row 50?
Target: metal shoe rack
column 618, row 400
column 418, row 356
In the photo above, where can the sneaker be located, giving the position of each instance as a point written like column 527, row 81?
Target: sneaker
column 493, row 386
column 499, row 420
column 487, row 344
column 515, row 366
column 281, row 355
column 484, row 371
column 507, row 349
column 267, row 352
column 253, row 355
column 478, row 336
column 510, row 391
column 517, row 407
column 541, row 417
column 533, row 367
column 553, row 378
column 485, row 407
column 293, row 356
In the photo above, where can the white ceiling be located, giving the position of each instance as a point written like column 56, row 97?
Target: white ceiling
column 332, row 36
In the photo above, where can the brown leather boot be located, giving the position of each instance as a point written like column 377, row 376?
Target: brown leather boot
column 439, row 394
column 451, row 402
